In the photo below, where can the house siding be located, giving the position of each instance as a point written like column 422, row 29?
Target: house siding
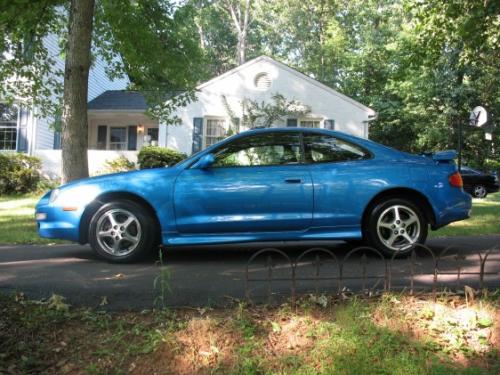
column 99, row 82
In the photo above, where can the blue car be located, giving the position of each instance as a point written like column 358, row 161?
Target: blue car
column 270, row 184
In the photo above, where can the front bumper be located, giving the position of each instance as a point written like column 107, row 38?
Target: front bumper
column 54, row 222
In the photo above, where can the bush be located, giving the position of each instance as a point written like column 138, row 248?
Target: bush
column 19, row 173
column 119, row 164
column 155, row 157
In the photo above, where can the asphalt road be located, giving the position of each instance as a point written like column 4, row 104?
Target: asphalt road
column 216, row 275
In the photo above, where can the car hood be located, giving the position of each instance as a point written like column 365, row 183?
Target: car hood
column 142, row 182
column 113, row 178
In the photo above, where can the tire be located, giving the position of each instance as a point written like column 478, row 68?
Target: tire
column 479, row 191
column 127, row 231
column 383, row 223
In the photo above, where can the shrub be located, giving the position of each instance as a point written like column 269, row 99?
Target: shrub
column 46, row 184
column 155, row 157
column 19, row 173
column 119, row 164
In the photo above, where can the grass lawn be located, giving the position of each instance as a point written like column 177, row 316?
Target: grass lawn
column 18, row 224
column 394, row 334
column 17, row 220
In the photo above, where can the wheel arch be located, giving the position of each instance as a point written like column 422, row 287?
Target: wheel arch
column 407, row 193
column 109, row 197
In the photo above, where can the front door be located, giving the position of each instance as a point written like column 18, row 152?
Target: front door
column 257, row 184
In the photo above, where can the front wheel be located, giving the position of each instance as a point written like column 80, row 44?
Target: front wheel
column 121, row 231
column 395, row 226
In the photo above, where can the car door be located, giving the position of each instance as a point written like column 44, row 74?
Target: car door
column 344, row 179
column 256, row 184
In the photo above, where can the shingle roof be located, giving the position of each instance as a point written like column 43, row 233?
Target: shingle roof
column 119, row 100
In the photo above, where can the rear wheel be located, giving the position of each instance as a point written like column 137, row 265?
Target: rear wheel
column 395, row 226
column 121, row 231
column 479, row 191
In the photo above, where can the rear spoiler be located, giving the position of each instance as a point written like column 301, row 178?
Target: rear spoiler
column 447, row 155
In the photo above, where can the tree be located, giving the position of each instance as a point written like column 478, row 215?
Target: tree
column 227, row 31
column 161, row 57
column 76, row 77
column 266, row 114
column 239, row 10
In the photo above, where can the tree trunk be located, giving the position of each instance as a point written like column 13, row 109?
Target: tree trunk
column 241, row 23
column 76, row 75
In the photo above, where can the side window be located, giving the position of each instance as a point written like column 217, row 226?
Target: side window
column 260, row 150
column 321, row 148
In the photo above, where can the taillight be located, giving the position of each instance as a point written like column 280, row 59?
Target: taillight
column 456, row 180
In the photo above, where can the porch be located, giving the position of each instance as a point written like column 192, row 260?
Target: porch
column 118, row 131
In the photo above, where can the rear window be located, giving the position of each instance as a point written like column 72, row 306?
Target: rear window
column 321, row 148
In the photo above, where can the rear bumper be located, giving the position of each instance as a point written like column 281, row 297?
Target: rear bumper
column 456, row 210
column 492, row 188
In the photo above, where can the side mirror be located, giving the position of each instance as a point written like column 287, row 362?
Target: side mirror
column 205, row 161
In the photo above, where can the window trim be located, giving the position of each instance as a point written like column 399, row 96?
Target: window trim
column 18, row 120
column 109, row 137
column 205, row 128
column 320, row 120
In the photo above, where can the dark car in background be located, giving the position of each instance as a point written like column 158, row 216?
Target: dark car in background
column 479, row 184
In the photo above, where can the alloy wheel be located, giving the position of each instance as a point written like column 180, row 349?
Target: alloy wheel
column 118, row 232
column 398, row 227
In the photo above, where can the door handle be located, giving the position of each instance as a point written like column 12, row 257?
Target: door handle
column 293, row 180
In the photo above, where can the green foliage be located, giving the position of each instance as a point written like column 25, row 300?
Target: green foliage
column 23, row 24
column 19, row 173
column 266, row 114
column 119, row 164
column 156, row 157
column 161, row 283
column 162, row 56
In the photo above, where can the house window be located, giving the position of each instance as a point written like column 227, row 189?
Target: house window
column 153, row 134
column 215, row 131
column 310, row 123
column 8, row 127
column 118, row 138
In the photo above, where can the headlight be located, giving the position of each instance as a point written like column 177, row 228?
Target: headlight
column 53, row 195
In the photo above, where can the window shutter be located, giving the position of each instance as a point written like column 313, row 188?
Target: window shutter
column 132, row 138
column 57, row 133
column 102, row 133
column 57, row 141
column 22, row 132
column 197, row 134
column 330, row 124
column 291, row 122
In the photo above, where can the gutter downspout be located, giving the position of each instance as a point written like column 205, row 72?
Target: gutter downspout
column 366, row 123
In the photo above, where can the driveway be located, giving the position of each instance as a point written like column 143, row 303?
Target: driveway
column 216, row 275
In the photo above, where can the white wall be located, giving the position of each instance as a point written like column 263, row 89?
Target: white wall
column 51, row 161
column 349, row 115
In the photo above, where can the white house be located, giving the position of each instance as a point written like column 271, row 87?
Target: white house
column 118, row 124
column 206, row 120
